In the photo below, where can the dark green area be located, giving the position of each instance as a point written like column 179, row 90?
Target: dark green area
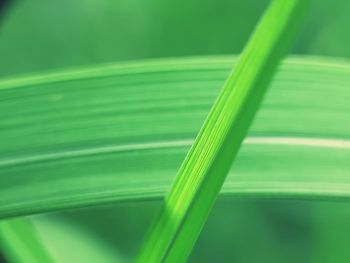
column 237, row 230
column 46, row 34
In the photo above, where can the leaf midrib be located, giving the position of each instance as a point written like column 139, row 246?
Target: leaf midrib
column 317, row 142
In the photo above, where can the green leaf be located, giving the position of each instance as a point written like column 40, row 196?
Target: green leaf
column 202, row 174
column 40, row 239
column 77, row 138
column 20, row 242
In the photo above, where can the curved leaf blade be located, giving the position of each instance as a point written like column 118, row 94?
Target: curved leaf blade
column 77, row 138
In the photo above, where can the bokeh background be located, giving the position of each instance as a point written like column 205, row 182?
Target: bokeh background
column 39, row 35
column 45, row 34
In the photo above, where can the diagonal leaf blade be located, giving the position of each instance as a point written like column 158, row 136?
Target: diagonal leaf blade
column 204, row 170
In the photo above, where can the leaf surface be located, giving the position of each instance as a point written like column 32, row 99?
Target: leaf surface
column 119, row 133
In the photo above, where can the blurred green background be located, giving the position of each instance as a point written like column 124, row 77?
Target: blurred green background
column 45, row 34
column 40, row 35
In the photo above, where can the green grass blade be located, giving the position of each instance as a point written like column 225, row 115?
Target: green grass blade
column 41, row 239
column 76, row 138
column 20, row 242
column 204, row 170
